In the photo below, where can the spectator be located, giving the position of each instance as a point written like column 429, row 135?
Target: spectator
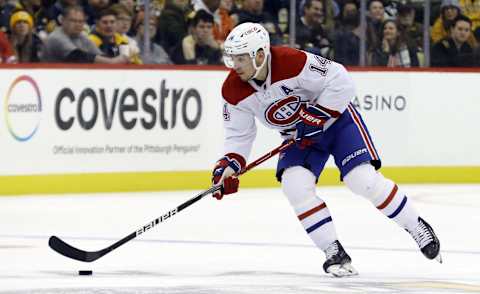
column 93, row 7
column 228, row 7
column 331, row 10
column 273, row 7
column 347, row 39
column 69, row 43
column 129, row 4
column 406, row 19
column 455, row 51
column 124, row 25
column 252, row 11
column 108, row 40
column 471, row 9
column 223, row 23
column 53, row 13
column 172, row 25
column 199, row 47
column 310, row 34
column 39, row 14
column 6, row 10
column 395, row 50
column 6, row 52
column 157, row 54
column 391, row 8
column 25, row 43
column 30, row 6
column 376, row 16
column 449, row 10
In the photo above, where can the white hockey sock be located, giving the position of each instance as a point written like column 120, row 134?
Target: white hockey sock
column 398, row 207
column 318, row 223
column 384, row 194
column 298, row 184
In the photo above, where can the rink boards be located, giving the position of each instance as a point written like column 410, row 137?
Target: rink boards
column 139, row 129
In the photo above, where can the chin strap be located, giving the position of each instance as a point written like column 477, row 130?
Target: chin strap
column 258, row 68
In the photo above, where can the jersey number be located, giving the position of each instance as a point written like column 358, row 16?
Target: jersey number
column 322, row 66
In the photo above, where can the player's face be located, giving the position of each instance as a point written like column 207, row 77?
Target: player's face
column 242, row 64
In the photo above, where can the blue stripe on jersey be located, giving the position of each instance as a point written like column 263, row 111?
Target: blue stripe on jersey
column 399, row 208
column 319, row 224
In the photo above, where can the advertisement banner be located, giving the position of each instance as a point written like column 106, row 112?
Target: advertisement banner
column 60, row 121
column 79, row 121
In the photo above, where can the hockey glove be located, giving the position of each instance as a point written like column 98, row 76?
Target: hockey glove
column 224, row 174
column 310, row 126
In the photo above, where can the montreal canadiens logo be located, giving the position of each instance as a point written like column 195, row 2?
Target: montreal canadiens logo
column 284, row 112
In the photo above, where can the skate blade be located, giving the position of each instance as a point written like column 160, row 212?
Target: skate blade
column 340, row 271
column 439, row 258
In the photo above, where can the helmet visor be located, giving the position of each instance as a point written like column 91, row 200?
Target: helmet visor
column 240, row 60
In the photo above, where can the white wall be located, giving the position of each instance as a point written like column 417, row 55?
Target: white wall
column 433, row 119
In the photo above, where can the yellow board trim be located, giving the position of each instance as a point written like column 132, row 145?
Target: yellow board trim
column 188, row 180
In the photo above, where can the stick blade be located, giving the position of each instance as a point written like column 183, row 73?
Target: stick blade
column 67, row 250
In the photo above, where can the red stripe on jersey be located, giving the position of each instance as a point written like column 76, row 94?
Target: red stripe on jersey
column 389, row 198
column 287, row 63
column 312, row 211
column 363, row 132
column 235, row 90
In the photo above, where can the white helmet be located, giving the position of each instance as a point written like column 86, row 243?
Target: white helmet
column 246, row 38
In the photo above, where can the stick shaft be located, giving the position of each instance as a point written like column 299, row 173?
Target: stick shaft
column 67, row 250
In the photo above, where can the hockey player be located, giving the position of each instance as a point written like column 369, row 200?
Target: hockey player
column 306, row 97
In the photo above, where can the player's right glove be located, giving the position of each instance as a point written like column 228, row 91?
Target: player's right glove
column 224, row 174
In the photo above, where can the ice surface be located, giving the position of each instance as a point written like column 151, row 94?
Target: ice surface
column 250, row 242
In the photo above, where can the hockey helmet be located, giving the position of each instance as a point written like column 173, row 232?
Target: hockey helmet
column 247, row 38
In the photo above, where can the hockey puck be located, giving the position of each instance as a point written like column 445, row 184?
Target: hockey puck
column 85, row 273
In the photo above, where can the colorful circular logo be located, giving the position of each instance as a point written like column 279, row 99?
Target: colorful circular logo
column 23, row 108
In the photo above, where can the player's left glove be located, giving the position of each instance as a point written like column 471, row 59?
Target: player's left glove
column 224, row 174
column 310, row 126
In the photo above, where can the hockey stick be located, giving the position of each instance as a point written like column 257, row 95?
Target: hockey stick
column 67, row 250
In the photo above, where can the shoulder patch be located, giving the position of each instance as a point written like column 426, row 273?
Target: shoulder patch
column 287, row 63
column 235, row 90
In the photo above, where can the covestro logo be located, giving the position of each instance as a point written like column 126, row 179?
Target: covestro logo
column 23, row 108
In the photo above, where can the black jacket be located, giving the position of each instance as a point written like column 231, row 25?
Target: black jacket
column 446, row 54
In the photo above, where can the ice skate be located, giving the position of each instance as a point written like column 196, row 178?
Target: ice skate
column 427, row 240
column 338, row 262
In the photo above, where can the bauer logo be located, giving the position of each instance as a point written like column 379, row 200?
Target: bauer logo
column 23, row 108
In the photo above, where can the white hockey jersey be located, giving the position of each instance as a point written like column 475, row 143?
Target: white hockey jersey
column 295, row 77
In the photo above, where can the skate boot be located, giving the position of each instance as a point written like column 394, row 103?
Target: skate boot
column 338, row 262
column 427, row 240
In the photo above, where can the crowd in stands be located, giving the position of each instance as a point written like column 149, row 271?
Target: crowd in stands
column 193, row 31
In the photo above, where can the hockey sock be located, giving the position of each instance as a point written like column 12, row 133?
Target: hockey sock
column 384, row 194
column 298, row 184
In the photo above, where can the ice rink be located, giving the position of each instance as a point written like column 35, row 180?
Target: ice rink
column 247, row 243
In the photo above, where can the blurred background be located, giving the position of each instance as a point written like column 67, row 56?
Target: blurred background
column 392, row 33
